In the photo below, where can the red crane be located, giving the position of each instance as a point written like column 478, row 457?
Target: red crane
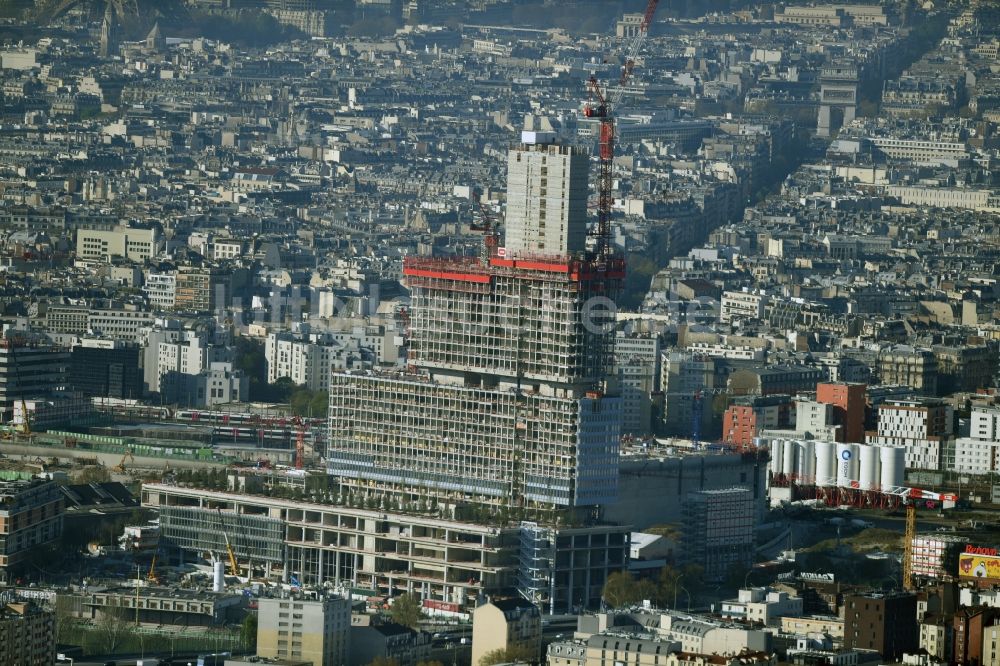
column 491, row 235
column 603, row 108
column 300, row 442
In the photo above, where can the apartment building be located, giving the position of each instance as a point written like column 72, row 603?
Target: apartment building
column 924, row 427
column 317, row 631
column 27, row 633
column 546, row 199
column 504, row 624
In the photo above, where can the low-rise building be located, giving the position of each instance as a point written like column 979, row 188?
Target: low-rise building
column 506, row 625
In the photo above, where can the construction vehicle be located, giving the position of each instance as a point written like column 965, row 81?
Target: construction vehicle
column 602, row 108
column 120, row 467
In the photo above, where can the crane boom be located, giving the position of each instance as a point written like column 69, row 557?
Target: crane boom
column 603, row 109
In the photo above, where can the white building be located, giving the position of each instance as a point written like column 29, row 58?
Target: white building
column 924, row 427
column 546, row 199
column 979, row 453
column 637, row 358
column 759, row 605
column 161, row 290
column 132, row 244
column 308, row 360
column 742, row 305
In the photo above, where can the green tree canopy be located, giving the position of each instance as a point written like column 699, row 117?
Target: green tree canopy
column 406, row 610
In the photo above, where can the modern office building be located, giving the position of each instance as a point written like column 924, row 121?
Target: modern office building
column 31, row 514
column 508, row 409
column 509, row 400
column 106, row 368
column 718, row 531
column 29, row 369
column 448, row 563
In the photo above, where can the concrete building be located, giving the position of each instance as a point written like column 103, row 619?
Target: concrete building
column 849, row 403
column 979, row 453
column 761, row 606
column 27, row 633
column 935, row 556
column 445, row 562
column 747, row 416
column 308, row 360
column 506, row 624
column 491, row 414
column 314, row 630
column 106, row 368
column 546, row 198
column 924, row 427
column 161, row 290
column 886, row 624
column 654, row 487
column 126, row 242
column 718, row 531
column 29, row 370
column 637, row 359
column 31, row 514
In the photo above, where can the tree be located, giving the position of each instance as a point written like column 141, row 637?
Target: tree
column 248, row 631
column 515, row 652
column 113, row 627
column 406, row 611
column 620, row 590
column 383, row 661
column 64, row 617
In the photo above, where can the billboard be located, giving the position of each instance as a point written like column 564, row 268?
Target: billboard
column 982, row 563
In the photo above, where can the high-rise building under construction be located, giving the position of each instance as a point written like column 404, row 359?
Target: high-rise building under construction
column 508, row 402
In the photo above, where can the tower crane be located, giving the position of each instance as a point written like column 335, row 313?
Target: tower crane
column 908, row 538
column 300, row 444
column 234, row 568
column 491, row 234
column 602, row 107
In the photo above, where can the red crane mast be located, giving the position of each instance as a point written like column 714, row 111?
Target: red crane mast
column 603, row 108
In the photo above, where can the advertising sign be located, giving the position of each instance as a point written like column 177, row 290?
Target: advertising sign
column 976, row 562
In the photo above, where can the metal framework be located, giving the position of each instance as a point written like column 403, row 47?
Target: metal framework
column 603, row 108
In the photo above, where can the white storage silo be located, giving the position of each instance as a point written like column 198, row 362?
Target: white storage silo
column 847, row 465
column 826, row 463
column 807, row 462
column 218, row 576
column 893, row 459
column 777, row 456
column 789, row 464
column 869, row 464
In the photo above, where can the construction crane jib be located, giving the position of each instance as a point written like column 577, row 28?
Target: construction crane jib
column 602, row 108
